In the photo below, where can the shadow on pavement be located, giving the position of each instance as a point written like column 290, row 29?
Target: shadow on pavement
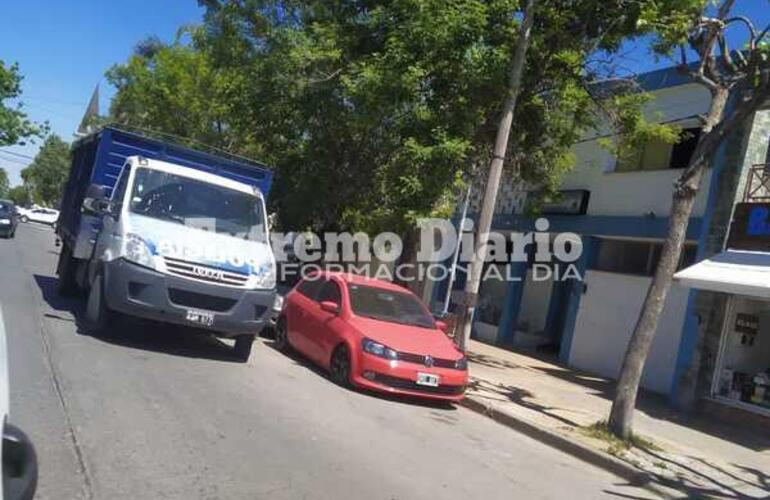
column 137, row 334
column 745, row 434
column 300, row 360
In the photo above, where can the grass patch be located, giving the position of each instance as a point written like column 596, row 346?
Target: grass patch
column 615, row 445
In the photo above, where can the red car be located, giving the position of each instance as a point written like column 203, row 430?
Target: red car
column 372, row 334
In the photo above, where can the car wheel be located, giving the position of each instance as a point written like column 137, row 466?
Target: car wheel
column 24, row 219
column 98, row 314
column 242, row 349
column 281, row 336
column 340, row 366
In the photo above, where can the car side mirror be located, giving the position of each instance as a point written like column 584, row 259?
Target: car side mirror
column 330, row 307
column 442, row 325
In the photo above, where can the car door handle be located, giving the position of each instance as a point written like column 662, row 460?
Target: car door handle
column 19, row 465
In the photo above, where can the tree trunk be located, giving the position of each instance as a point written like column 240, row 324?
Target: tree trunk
column 495, row 171
column 685, row 191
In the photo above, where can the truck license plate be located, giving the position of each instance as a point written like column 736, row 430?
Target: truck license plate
column 428, row 379
column 200, row 317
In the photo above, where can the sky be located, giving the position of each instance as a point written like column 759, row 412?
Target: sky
column 64, row 48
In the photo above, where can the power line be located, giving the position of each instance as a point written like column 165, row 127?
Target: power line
column 13, row 160
column 20, row 155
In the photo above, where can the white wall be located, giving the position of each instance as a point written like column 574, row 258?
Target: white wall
column 632, row 194
column 606, row 318
column 639, row 193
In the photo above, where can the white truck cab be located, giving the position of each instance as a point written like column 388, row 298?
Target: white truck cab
column 183, row 246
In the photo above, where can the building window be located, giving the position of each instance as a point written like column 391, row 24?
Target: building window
column 639, row 258
column 658, row 155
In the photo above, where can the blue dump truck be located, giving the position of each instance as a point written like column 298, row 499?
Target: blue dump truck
column 158, row 231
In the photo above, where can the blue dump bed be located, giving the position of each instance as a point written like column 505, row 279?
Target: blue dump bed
column 99, row 159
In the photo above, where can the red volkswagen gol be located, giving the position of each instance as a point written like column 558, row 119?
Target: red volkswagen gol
column 372, row 334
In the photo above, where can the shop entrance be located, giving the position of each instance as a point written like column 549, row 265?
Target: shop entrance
column 743, row 365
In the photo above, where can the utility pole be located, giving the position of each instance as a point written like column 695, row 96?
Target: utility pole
column 495, row 172
column 456, row 257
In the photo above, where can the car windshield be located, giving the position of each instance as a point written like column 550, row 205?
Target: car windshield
column 387, row 305
column 6, row 208
column 170, row 197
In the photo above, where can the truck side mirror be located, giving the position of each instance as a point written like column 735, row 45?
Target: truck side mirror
column 96, row 192
column 95, row 200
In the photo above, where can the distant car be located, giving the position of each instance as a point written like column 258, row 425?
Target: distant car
column 372, row 334
column 18, row 454
column 9, row 219
column 47, row 216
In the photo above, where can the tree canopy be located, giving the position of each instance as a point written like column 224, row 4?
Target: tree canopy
column 46, row 175
column 19, row 196
column 14, row 124
column 4, row 183
column 372, row 112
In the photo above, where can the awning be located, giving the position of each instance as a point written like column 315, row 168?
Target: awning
column 733, row 271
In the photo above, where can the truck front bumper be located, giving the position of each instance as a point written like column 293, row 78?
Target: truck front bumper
column 138, row 291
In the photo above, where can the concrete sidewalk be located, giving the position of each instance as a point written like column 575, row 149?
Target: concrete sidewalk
column 693, row 455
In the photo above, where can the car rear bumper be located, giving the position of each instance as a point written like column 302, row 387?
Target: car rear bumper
column 399, row 377
column 138, row 291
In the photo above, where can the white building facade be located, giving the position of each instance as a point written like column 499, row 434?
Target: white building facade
column 620, row 209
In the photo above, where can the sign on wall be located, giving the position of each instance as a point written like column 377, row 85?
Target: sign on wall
column 750, row 229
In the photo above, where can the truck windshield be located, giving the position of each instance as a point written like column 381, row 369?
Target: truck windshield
column 197, row 204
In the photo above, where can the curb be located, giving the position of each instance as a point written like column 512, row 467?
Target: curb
column 624, row 470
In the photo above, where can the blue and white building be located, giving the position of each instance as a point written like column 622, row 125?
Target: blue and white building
column 620, row 209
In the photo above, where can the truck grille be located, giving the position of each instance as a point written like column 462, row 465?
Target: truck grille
column 203, row 273
column 186, row 298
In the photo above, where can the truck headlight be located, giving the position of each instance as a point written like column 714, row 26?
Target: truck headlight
column 266, row 278
column 278, row 303
column 5, row 221
column 135, row 250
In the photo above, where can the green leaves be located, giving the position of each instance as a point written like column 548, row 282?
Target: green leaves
column 4, row 183
column 372, row 111
column 44, row 178
column 14, row 124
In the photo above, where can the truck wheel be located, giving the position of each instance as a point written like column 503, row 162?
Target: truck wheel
column 24, row 219
column 66, row 270
column 242, row 349
column 98, row 314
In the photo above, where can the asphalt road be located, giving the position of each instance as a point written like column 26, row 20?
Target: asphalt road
column 158, row 413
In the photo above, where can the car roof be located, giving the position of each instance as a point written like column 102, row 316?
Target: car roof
column 355, row 279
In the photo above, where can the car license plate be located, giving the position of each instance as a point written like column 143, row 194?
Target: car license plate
column 428, row 379
column 200, row 317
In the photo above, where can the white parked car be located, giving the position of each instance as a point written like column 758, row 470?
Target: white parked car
column 38, row 214
column 19, row 479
